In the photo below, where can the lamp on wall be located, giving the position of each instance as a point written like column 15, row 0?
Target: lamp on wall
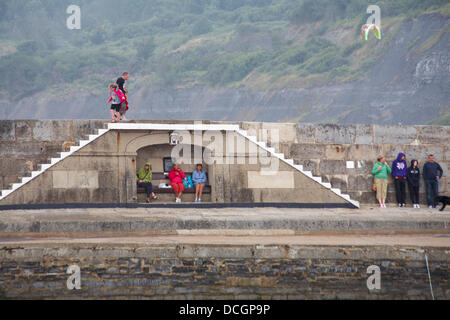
column 174, row 138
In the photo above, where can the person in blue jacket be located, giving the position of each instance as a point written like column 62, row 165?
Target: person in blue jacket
column 400, row 173
column 199, row 180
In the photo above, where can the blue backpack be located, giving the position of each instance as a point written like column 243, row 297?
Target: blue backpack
column 188, row 182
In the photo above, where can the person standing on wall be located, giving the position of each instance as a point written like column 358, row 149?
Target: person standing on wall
column 121, row 82
column 432, row 177
column 380, row 171
column 413, row 182
column 399, row 173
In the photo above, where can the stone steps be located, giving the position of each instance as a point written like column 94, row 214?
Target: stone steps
column 51, row 162
column 299, row 168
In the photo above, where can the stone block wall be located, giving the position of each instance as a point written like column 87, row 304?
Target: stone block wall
column 325, row 149
column 221, row 272
column 24, row 144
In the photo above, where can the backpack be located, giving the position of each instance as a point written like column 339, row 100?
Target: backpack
column 121, row 96
column 187, row 182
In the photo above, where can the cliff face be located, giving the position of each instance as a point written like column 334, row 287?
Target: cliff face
column 409, row 84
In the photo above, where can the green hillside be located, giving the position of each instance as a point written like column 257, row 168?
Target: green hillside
column 259, row 44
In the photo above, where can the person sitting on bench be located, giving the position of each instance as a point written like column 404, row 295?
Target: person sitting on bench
column 144, row 180
column 176, row 176
column 199, row 179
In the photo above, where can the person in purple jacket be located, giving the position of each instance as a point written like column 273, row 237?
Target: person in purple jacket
column 400, row 173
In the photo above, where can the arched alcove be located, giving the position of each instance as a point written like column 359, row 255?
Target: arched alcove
column 156, row 153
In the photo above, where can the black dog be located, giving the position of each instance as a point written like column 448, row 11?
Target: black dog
column 445, row 201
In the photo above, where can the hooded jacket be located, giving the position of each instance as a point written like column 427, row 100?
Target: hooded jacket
column 144, row 175
column 176, row 178
column 413, row 174
column 399, row 167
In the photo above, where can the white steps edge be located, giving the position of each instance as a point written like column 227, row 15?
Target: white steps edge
column 299, row 168
column 53, row 161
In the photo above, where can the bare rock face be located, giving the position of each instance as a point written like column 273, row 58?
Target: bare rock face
column 434, row 67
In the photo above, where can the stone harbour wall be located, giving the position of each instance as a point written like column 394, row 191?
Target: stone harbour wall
column 221, row 272
column 341, row 154
column 24, row 144
column 345, row 154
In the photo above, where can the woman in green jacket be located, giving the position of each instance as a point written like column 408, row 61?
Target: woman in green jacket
column 380, row 171
column 144, row 180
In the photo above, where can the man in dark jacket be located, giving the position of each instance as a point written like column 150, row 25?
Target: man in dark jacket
column 413, row 182
column 399, row 173
column 431, row 177
column 121, row 81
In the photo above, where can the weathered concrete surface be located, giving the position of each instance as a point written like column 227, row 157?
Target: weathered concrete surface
column 193, row 267
column 226, row 221
column 322, row 148
column 263, row 253
column 325, row 149
column 113, row 156
column 24, row 144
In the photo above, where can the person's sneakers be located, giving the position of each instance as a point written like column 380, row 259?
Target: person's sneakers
column 430, row 207
column 417, row 206
column 178, row 200
column 199, row 200
column 437, row 207
column 399, row 205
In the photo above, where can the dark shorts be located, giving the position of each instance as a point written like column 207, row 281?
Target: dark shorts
column 115, row 107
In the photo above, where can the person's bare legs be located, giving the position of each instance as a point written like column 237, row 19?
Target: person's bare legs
column 197, row 190
column 118, row 116
column 112, row 115
column 200, row 192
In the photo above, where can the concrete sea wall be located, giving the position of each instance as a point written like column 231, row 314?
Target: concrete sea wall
column 24, row 144
column 325, row 150
column 190, row 271
column 341, row 154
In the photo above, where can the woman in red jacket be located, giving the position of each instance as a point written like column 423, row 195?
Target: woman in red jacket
column 176, row 176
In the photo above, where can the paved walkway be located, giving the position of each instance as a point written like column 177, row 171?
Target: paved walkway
column 415, row 240
column 143, row 219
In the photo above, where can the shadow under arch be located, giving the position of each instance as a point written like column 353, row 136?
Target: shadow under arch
column 154, row 147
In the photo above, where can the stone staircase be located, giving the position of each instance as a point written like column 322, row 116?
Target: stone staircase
column 44, row 167
column 290, row 162
column 162, row 126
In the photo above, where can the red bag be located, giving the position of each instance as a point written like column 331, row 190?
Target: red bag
column 121, row 96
